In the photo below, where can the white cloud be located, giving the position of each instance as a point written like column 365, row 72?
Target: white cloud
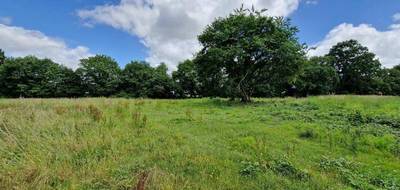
column 396, row 17
column 5, row 20
column 17, row 41
column 311, row 2
column 385, row 44
column 169, row 28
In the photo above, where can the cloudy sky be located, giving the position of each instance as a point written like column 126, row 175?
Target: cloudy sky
column 166, row 30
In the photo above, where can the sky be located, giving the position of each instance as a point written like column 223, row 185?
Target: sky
column 166, row 30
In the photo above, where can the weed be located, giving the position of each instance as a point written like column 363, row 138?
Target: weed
column 349, row 173
column 139, row 120
column 250, row 169
column 285, row 168
column 308, row 134
column 95, row 113
column 356, row 118
column 60, row 110
column 189, row 114
column 141, row 184
column 395, row 148
column 355, row 136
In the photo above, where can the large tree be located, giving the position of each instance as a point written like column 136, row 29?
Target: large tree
column 358, row 69
column 100, row 75
column 187, row 80
column 246, row 49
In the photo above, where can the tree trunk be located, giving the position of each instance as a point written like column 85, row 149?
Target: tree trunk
column 244, row 90
column 245, row 99
column 245, row 96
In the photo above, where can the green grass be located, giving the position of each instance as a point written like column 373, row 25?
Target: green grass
column 337, row 142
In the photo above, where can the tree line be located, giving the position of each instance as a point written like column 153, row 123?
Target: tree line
column 244, row 55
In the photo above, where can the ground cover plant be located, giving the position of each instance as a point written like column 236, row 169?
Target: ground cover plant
column 328, row 142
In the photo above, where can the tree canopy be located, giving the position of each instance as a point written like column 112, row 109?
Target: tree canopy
column 100, row 75
column 247, row 49
column 187, row 79
column 33, row 77
column 2, row 57
column 317, row 78
column 358, row 69
column 246, row 54
column 139, row 79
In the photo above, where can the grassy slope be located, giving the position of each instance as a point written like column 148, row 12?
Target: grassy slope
column 340, row 142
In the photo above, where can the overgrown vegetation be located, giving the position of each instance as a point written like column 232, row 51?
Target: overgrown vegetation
column 333, row 142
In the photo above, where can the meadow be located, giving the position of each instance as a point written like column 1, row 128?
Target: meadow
column 327, row 142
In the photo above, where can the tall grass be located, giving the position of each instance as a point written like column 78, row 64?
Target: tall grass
column 337, row 142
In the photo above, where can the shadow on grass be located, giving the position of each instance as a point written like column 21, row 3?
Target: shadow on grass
column 224, row 102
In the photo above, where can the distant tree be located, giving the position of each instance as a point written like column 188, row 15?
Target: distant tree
column 136, row 79
column 162, row 85
column 139, row 79
column 358, row 69
column 33, row 77
column 63, row 82
column 246, row 49
column 391, row 81
column 187, row 80
column 100, row 76
column 2, row 57
column 317, row 78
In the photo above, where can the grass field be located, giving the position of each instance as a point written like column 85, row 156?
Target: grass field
column 338, row 142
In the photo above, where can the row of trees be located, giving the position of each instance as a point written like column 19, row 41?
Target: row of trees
column 244, row 55
column 98, row 76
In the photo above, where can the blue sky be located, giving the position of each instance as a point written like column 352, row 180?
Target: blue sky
column 119, row 29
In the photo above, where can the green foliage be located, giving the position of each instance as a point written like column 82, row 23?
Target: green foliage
column 308, row 134
column 357, row 118
column 350, row 173
column 251, row 169
column 248, row 51
column 187, row 80
column 139, row 79
column 162, row 85
column 391, row 81
column 281, row 167
column 358, row 69
column 317, row 78
column 33, row 77
column 285, row 168
column 2, row 57
column 100, row 76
